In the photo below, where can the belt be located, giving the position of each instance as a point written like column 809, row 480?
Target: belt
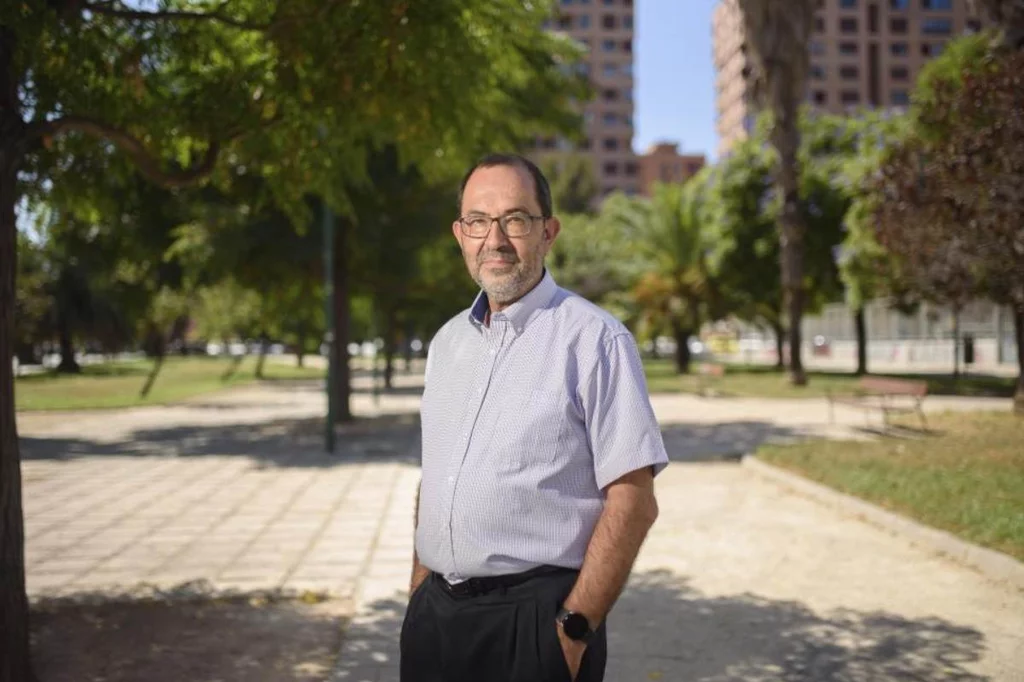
column 475, row 587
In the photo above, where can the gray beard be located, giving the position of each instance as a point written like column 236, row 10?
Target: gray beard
column 512, row 286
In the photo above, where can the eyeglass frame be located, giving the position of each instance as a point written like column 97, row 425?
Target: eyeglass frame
column 501, row 220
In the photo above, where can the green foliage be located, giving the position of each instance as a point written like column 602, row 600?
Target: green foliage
column 573, row 183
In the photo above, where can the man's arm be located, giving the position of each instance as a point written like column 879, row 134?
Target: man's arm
column 630, row 510
column 419, row 571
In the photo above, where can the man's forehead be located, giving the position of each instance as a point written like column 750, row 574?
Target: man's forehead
column 501, row 187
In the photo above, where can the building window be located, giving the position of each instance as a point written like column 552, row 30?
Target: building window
column 566, row 2
column 899, row 98
column 973, row 25
column 627, row 94
column 847, row 25
column 610, row 95
column 627, row 46
column 848, row 49
column 609, row 70
column 608, row 46
column 609, row 2
column 609, row 119
column 848, row 4
column 608, row 21
column 631, row 169
column 849, row 97
column 899, row 4
column 564, row 22
column 817, row 72
column 937, row 4
column 849, row 73
column 817, row 48
column 899, row 50
column 611, row 144
column 819, row 24
column 627, row 22
column 937, row 27
column 898, row 25
column 931, row 49
column 899, row 73
column 820, row 97
column 585, row 144
column 584, row 20
column 611, row 168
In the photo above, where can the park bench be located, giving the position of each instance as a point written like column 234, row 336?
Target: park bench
column 708, row 374
column 885, row 395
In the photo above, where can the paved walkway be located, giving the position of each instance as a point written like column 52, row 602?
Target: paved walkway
column 740, row 580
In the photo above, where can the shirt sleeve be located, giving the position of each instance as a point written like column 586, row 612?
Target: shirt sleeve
column 623, row 431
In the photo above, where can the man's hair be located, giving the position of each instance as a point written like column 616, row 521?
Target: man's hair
column 541, row 188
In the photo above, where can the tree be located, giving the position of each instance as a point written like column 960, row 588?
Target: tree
column 953, row 201
column 297, row 89
column 777, row 33
column 573, row 183
column 675, row 288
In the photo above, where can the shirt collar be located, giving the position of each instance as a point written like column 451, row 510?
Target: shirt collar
column 520, row 312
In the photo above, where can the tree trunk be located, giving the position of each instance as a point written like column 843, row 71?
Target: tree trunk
column 342, row 323
column 780, row 346
column 956, row 343
column 682, row 338
column 1018, row 324
column 860, row 323
column 389, row 350
column 68, row 364
column 793, row 273
column 262, row 358
column 300, row 344
column 410, row 331
column 15, row 661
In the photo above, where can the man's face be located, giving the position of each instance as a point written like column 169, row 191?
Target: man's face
column 506, row 268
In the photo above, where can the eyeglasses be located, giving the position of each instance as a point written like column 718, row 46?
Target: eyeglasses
column 512, row 224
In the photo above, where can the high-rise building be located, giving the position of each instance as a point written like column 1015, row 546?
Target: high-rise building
column 605, row 27
column 662, row 162
column 864, row 53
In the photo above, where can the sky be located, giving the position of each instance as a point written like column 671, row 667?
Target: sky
column 674, row 88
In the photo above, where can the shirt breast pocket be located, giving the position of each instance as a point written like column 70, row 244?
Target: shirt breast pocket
column 538, row 425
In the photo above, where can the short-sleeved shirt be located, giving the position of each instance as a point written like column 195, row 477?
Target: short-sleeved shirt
column 525, row 420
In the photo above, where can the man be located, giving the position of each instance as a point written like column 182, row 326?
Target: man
column 539, row 453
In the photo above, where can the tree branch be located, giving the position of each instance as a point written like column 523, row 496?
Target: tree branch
column 174, row 15
column 147, row 164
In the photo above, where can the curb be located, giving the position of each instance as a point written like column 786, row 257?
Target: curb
column 994, row 565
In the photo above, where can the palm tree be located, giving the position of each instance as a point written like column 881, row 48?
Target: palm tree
column 777, row 34
column 672, row 287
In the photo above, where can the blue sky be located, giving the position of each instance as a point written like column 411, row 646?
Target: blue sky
column 675, row 76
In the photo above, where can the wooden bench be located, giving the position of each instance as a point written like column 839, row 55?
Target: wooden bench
column 885, row 395
column 708, row 373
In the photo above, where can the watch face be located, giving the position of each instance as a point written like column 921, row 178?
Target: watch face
column 575, row 626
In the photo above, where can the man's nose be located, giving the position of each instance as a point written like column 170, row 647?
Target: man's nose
column 496, row 238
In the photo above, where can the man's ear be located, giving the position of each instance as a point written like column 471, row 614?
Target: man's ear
column 551, row 229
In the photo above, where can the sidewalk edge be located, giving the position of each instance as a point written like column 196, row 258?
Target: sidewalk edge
column 994, row 565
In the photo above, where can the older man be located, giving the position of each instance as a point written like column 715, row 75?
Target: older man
column 539, row 455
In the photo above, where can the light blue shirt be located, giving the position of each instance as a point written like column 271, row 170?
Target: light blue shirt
column 525, row 421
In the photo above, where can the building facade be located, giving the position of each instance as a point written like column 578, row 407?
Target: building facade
column 864, row 53
column 662, row 162
column 605, row 28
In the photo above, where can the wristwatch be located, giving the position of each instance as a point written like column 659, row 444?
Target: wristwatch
column 574, row 625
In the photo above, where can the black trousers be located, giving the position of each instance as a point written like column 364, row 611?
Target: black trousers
column 507, row 635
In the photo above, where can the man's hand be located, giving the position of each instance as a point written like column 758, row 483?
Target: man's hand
column 572, row 650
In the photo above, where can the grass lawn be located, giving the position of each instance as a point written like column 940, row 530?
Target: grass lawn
column 967, row 479
column 119, row 384
column 766, row 382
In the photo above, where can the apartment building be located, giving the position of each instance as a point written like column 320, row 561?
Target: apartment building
column 605, row 27
column 864, row 53
column 662, row 162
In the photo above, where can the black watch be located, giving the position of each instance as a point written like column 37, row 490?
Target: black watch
column 574, row 625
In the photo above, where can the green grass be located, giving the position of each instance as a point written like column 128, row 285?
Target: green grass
column 968, row 479
column 119, row 384
column 767, row 382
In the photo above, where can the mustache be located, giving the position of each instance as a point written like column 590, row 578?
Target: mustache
column 503, row 256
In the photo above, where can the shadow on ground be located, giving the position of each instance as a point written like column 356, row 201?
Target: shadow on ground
column 236, row 640
column 392, row 438
column 282, row 442
column 664, row 629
